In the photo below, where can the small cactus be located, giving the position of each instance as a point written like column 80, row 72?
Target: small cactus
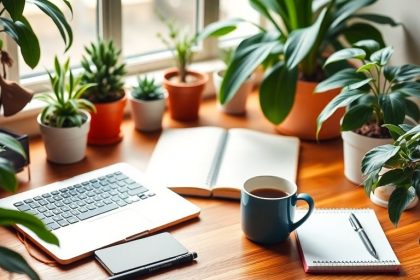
column 147, row 89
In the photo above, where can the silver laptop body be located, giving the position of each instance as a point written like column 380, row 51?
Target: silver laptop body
column 160, row 208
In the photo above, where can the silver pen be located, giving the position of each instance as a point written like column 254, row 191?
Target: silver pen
column 362, row 234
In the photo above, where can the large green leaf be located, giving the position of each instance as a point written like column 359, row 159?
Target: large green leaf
column 376, row 158
column 345, row 54
column 381, row 19
column 395, row 130
column 8, row 179
column 277, row 92
column 393, row 107
column 219, row 28
column 369, row 46
column 382, row 56
column 248, row 56
column 343, row 99
column 398, row 201
column 11, row 217
column 14, row 8
column 22, row 33
column 360, row 84
column 57, row 16
column 408, row 72
column 12, row 144
column 412, row 110
column 356, row 116
column 263, row 7
column 348, row 9
column 13, row 262
column 409, row 88
column 302, row 41
column 362, row 31
column 396, row 176
column 342, row 78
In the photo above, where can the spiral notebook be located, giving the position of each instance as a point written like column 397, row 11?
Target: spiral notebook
column 328, row 244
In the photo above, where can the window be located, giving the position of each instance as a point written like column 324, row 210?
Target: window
column 140, row 23
column 84, row 28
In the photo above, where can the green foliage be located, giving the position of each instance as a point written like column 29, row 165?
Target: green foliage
column 303, row 33
column 147, row 89
column 65, row 107
column 10, row 260
column 181, row 44
column 20, row 30
column 226, row 55
column 101, row 67
column 400, row 164
column 374, row 91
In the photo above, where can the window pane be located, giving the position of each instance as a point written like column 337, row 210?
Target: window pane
column 84, row 28
column 141, row 23
column 239, row 9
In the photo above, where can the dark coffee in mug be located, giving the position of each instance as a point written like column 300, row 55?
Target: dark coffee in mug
column 269, row 193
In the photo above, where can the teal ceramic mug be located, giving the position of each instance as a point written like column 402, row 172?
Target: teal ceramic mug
column 268, row 208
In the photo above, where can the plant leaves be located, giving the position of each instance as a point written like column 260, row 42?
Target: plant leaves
column 277, row 92
column 382, row 56
column 381, row 19
column 416, row 182
column 345, row 54
column 301, row 42
column 248, row 56
column 262, row 7
column 342, row 78
column 356, row 116
column 376, row 158
column 13, row 262
column 14, row 8
column 360, row 84
column 11, row 217
column 407, row 72
column 409, row 88
column 12, row 144
column 396, row 177
column 369, row 46
column 341, row 100
column 8, row 179
column 412, row 110
column 362, row 31
column 219, row 28
column 393, row 107
column 349, row 9
column 394, row 130
column 398, row 201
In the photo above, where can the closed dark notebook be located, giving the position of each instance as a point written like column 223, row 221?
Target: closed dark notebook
column 138, row 253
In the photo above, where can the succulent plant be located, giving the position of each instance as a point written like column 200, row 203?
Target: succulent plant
column 65, row 107
column 147, row 89
column 101, row 67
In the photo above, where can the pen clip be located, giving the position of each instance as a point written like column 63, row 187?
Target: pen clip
column 353, row 225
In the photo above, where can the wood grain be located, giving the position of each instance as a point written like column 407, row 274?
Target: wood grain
column 223, row 251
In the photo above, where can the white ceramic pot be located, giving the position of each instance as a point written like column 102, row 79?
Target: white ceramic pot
column 237, row 105
column 355, row 147
column 382, row 194
column 147, row 115
column 65, row 145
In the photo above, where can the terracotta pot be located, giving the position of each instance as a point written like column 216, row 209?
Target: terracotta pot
column 65, row 145
column 184, row 98
column 301, row 121
column 237, row 105
column 147, row 114
column 106, row 123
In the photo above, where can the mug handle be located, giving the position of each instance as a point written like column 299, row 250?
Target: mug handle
column 306, row 197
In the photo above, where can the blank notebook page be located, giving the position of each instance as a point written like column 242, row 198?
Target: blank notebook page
column 329, row 243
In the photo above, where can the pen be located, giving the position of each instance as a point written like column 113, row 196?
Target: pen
column 189, row 257
column 362, row 234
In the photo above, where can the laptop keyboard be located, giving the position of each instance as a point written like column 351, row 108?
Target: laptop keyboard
column 82, row 201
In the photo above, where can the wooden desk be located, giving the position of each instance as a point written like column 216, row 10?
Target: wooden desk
column 224, row 252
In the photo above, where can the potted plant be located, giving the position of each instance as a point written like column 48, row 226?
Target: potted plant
column 375, row 93
column 184, row 87
column 64, row 122
column 101, row 67
column 148, row 104
column 293, row 51
column 237, row 105
column 393, row 171
column 19, row 29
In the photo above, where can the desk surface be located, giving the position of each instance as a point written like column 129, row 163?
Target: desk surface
column 224, row 252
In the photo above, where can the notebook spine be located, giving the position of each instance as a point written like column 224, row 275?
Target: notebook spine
column 214, row 169
column 358, row 263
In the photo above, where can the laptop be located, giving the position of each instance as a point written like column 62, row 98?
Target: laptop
column 109, row 205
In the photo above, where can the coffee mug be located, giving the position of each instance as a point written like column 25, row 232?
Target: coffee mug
column 268, row 208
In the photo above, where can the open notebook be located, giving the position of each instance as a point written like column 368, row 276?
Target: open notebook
column 328, row 243
column 207, row 161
